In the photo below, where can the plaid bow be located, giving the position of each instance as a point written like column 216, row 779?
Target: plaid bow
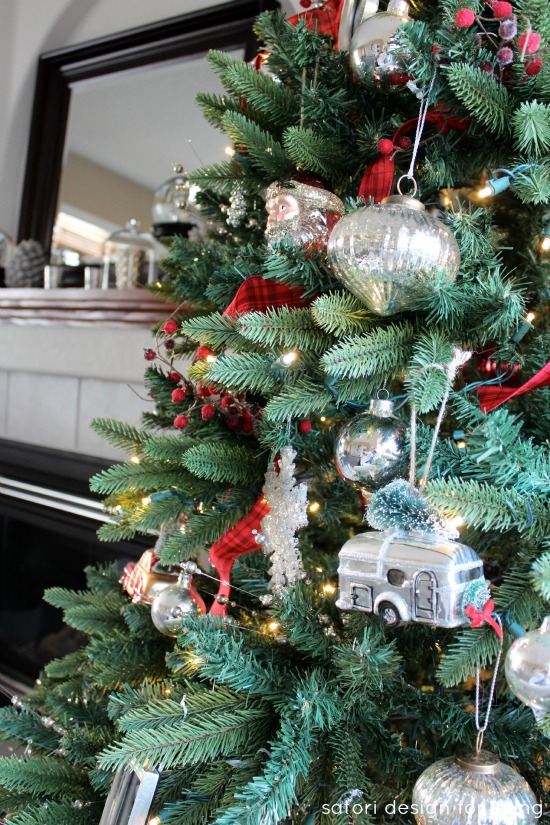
column 258, row 294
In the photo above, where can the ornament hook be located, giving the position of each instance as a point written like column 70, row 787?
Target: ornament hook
column 415, row 186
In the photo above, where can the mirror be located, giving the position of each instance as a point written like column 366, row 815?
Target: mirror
column 111, row 116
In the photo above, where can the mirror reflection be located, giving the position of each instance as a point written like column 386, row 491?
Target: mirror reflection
column 120, row 192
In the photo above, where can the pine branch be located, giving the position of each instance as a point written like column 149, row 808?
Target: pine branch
column 215, row 330
column 484, row 507
column 225, row 734
column 340, row 314
column 224, row 463
column 298, row 401
column 250, row 372
column 119, row 434
column 484, row 98
column 278, row 327
column 531, row 125
column 266, row 153
column 384, row 350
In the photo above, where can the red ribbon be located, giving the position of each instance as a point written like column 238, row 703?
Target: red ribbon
column 324, row 19
column 259, row 294
column 492, row 397
column 236, row 542
column 377, row 181
column 478, row 617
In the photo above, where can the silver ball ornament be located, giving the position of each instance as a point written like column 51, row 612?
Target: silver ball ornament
column 474, row 789
column 527, row 668
column 173, row 605
column 370, row 449
column 373, row 52
column 392, row 254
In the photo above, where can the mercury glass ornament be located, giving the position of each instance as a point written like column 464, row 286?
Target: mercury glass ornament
column 474, row 789
column 174, row 604
column 373, row 50
column 392, row 254
column 527, row 668
column 370, row 449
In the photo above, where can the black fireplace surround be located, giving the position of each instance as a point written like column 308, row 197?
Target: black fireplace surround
column 48, row 524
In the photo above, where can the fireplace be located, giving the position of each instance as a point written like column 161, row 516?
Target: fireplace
column 48, row 524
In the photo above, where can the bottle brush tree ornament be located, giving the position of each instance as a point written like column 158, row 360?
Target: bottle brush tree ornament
column 26, row 268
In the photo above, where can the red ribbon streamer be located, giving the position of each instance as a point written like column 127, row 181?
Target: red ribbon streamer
column 492, row 397
column 259, row 294
column 377, row 181
column 236, row 542
column 478, row 617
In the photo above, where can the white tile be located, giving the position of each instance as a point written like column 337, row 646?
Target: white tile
column 107, row 399
column 42, row 410
column 4, row 379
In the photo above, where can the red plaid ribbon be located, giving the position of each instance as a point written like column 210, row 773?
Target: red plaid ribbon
column 377, row 181
column 258, row 294
column 324, row 19
column 493, row 397
column 236, row 542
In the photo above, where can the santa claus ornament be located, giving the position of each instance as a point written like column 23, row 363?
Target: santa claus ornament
column 302, row 210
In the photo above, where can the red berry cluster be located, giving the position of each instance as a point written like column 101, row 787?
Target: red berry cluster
column 239, row 415
column 527, row 46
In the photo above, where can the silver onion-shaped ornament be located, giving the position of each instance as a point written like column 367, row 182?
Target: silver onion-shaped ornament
column 474, row 789
column 392, row 254
column 173, row 605
column 527, row 668
column 370, row 449
column 373, row 52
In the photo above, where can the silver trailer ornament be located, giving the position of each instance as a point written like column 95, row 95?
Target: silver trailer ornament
column 407, row 577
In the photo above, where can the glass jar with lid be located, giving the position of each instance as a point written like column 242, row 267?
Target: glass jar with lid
column 131, row 256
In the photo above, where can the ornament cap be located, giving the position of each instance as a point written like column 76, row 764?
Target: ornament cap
column 399, row 7
column 381, row 406
column 404, row 200
column 478, row 762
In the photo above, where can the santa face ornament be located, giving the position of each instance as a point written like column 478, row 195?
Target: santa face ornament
column 301, row 213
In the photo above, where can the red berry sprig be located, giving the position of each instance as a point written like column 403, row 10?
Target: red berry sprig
column 170, row 327
column 181, row 422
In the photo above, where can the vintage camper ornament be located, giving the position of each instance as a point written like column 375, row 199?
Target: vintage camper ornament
column 407, row 577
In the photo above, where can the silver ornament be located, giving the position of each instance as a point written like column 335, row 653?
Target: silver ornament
column 474, row 789
column 370, row 449
column 392, row 254
column 373, row 50
column 353, row 14
column 527, row 668
column 407, row 577
column 173, row 605
column 236, row 212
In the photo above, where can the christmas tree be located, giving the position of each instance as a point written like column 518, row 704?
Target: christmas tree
column 268, row 696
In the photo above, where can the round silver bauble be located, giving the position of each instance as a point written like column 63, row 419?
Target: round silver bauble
column 172, row 605
column 527, row 668
column 353, row 14
column 392, row 254
column 474, row 789
column 370, row 449
column 373, row 52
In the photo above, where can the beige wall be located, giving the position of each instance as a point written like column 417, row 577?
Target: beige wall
column 98, row 191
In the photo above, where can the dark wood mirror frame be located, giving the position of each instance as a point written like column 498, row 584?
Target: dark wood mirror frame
column 225, row 26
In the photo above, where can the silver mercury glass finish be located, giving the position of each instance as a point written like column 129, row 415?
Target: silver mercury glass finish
column 353, row 14
column 373, row 51
column 174, row 604
column 370, row 449
column 527, row 668
column 474, row 789
column 392, row 254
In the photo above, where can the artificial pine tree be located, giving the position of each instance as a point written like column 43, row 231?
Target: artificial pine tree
column 280, row 708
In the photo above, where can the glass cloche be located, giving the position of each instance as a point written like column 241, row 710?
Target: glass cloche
column 171, row 198
column 131, row 255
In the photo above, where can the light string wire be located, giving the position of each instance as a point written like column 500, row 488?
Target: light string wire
column 481, row 728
